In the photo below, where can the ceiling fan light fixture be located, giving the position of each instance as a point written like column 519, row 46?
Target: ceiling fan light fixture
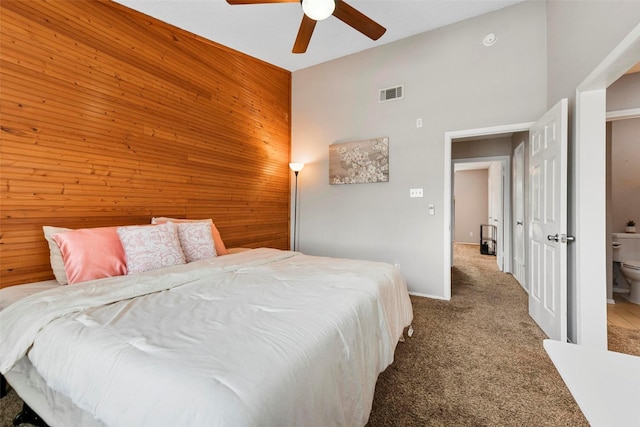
column 318, row 9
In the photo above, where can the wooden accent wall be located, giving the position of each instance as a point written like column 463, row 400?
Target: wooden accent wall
column 109, row 117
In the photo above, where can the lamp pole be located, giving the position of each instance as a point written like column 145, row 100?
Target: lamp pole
column 296, row 168
column 295, row 211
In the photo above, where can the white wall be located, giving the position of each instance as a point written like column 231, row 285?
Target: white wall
column 490, row 147
column 452, row 82
column 471, row 204
column 625, row 173
column 622, row 95
column 580, row 35
column 624, row 169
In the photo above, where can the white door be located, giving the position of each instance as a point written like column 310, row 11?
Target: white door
column 490, row 190
column 548, row 222
column 496, row 196
column 498, row 212
column 518, row 211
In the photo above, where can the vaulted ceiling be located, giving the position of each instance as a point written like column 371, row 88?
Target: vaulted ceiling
column 268, row 31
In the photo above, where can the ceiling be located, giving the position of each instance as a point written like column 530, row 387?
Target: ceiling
column 267, row 31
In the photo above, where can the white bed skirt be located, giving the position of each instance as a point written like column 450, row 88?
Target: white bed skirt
column 54, row 408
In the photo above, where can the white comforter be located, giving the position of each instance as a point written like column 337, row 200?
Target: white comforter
column 259, row 338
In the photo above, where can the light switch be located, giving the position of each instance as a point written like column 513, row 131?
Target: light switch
column 432, row 210
column 415, row 192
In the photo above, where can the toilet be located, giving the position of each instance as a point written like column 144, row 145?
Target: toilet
column 626, row 252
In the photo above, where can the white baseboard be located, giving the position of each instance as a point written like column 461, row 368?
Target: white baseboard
column 419, row 294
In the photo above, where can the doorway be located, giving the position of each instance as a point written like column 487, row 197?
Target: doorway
column 590, row 190
column 482, row 204
column 546, row 274
column 623, row 204
column 462, row 135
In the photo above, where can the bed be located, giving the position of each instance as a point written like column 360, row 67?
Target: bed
column 260, row 337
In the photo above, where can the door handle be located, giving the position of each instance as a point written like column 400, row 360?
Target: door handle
column 560, row 238
column 519, row 223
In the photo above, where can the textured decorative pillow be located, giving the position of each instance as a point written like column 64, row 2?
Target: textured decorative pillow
column 55, row 256
column 91, row 253
column 149, row 247
column 217, row 239
column 196, row 240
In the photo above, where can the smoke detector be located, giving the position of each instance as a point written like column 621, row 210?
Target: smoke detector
column 489, row 39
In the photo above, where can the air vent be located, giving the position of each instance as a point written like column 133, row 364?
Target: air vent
column 391, row 93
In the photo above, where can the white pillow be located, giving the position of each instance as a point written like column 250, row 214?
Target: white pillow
column 149, row 247
column 196, row 240
column 215, row 234
column 55, row 255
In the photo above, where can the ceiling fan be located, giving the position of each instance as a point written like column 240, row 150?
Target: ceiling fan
column 317, row 10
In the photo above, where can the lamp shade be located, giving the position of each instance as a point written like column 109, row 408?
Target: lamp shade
column 318, row 9
column 296, row 167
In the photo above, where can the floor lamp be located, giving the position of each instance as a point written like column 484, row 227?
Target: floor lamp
column 295, row 167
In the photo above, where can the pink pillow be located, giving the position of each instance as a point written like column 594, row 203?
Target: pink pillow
column 196, row 240
column 149, row 247
column 217, row 239
column 91, row 253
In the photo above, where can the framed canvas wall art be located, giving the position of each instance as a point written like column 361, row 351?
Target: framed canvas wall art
column 359, row 162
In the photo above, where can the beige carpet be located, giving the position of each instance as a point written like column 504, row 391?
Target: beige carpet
column 10, row 405
column 624, row 340
column 476, row 360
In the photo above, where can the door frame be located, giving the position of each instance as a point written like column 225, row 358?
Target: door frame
column 614, row 116
column 448, row 193
column 504, row 251
column 589, row 178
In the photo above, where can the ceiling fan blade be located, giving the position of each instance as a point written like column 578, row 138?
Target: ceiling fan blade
column 358, row 21
column 304, row 34
column 261, row 1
